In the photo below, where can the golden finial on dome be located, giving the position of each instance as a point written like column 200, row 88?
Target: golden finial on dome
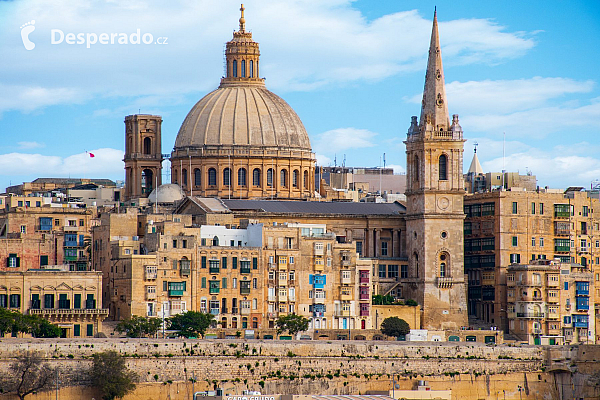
column 242, row 20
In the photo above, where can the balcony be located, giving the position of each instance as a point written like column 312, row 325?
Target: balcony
column 292, row 298
column 245, row 311
column 511, row 315
column 318, row 251
column 244, row 270
column 151, row 275
column 342, row 313
column 185, row 271
column 364, row 313
column 511, row 283
column 70, row 311
column 562, row 232
column 215, row 270
column 291, row 282
column 214, row 311
column 533, row 315
column 580, row 324
column 444, row 282
column 175, row 292
column 582, row 307
column 363, row 297
column 345, row 296
column 272, row 298
column 346, row 281
column 582, row 292
column 282, row 298
column 244, row 291
column 235, row 310
column 271, row 315
column 319, row 300
column 364, row 279
column 150, row 296
column 553, row 315
column 552, row 283
column 214, row 290
column 562, row 249
column 319, row 267
column 282, row 267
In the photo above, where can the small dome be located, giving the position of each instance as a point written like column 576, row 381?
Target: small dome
column 167, row 193
column 242, row 115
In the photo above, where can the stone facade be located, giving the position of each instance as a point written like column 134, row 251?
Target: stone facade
column 551, row 303
column 434, row 216
column 143, row 155
column 513, row 227
column 71, row 300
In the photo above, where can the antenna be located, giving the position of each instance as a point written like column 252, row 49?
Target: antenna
column 383, row 160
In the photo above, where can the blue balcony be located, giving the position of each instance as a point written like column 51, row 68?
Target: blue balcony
column 214, row 311
column 580, row 324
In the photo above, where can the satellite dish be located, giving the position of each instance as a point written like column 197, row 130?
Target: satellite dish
column 396, row 386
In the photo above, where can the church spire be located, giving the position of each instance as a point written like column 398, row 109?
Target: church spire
column 242, row 20
column 434, row 108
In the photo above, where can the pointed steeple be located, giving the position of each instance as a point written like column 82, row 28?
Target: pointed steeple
column 434, row 107
column 475, row 167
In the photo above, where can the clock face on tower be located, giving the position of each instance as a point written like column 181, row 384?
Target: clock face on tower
column 443, row 203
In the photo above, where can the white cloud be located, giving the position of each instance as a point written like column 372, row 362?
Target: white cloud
column 304, row 45
column 398, row 169
column 341, row 139
column 106, row 162
column 322, row 160
column 30, row 145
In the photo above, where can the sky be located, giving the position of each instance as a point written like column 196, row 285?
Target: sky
column 523, row 77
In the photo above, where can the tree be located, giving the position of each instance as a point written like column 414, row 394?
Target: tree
column 411, row 302
column 111, row 376
column 138, row 326
column 291, row 323
column 28, row 374
column 37, row 326
column 379, row 299
column 394, row 326
column 191, row 323
column 41, row 328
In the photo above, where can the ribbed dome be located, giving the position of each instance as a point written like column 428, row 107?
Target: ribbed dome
column 244, row 115
column 167, row 193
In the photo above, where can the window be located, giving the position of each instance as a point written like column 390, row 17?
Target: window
column 234, row 262
column 381, row 271
column 515, row 208
column 235, row 72
column 213, row 266
column 256, row 177
column 13, row 261
column 15, row 301
column 533, row 208
column 197, row 177
column 443, row 172
column 295, row 178
column 392, row 271
column 23, row 229
column 515, row 258
column 212, row 177
column 442, row 269
column 305, row 179
column 242, row 177
column 184, row 177
column 515, row 241
column 226, row 176
column 291, row 259
column 541, row 208
column 254, row 283
column 234, row 283
column 359, row 248
column 283, row 179
column 541, row 242
column 533, row 242
column 90, row 329
column 254, row 263
column 251, row 69
column 404, row 271
column 566, row 285
column 384, row 248
column 202, row 285
column 243, row 68
column 270, row 177
column 585, row 211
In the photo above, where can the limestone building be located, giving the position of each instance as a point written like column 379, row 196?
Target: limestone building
column 514, row 227
column 241, row 140
column 434, row 215
column 551, row 303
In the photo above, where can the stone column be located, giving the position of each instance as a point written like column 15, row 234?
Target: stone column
column 395, row 243
column 377, row 243
column 366, row 244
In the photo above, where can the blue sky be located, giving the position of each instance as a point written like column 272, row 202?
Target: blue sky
column 352, row 70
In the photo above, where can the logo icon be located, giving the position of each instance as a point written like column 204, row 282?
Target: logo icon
column 26, row 29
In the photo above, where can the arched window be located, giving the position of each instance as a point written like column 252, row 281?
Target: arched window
column 242, row 176
column 224, row 322
column 256, row 177
column 244, row 322
column 147, row 181
column 243, row 68
column 444, row 262
column 270, row 177
column 305, row 179
column 295, row 178
column 184, row 177
column 226, row 177
column 254, row 322
column 251, row 71
column 235, row 68
column 197, row 177
column 443, row 168
column 283, row 180
column 147, row 145
column 215, row 241
column 416, row 169
column 212, row 177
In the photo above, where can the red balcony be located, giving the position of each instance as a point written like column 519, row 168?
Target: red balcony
column 364, row 312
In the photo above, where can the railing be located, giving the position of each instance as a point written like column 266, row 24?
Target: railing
column 580, row 324
column 582, row 292
column 70, row 311
column 214, row 290
column 235, row 310
column 364, row 313
column 272, row 298
column 214, row 311
column 151, row 275
column 364, row 279
column 244, row 270
column 244, row 290
column 342, row 313
column 444, row 282
column 364, row 296
column 530, row 315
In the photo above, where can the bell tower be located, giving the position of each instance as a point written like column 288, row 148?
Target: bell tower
column 143, row 156
column 434, row 216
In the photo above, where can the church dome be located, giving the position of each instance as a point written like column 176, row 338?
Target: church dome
column 168, row 193
column 242, row 114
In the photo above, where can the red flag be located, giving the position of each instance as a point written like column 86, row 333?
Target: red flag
column 92, row 155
